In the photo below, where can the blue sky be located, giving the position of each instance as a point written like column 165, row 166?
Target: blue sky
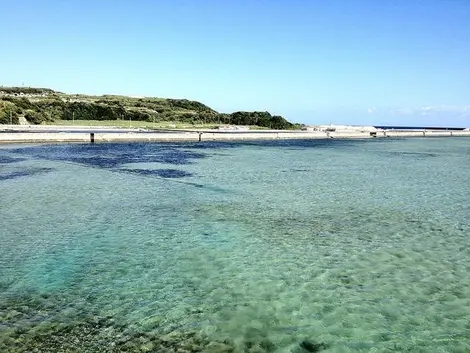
column 398, row 62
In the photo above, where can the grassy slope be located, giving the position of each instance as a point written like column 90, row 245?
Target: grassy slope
column 143, row 124
column 44, row 106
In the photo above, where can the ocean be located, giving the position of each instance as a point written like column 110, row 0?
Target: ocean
column 264, row 246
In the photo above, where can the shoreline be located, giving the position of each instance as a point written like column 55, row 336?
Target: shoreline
column 88, row 134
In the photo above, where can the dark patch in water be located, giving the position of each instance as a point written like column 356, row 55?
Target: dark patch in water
column 114, row 155
column 414, row 154
column 7, row 160
column 295, row 170
column 164, row 173
column 23, row 173
column 311, row 346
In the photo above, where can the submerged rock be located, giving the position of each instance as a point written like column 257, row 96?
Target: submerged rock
column 43, row 326
column 311, row 346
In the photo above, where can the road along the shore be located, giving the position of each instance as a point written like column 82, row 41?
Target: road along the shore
column 206, row 135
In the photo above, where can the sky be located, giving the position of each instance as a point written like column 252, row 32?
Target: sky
column 387, row 62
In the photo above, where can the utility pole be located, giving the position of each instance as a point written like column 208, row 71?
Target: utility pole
column 73, row 118
column 11, row 121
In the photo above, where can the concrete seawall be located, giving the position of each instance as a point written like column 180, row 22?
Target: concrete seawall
column 51, row 137
column 19, row 137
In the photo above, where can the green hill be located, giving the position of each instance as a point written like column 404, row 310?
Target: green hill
column 43, row 105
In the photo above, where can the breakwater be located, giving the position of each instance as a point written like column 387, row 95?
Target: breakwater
column 207, row 135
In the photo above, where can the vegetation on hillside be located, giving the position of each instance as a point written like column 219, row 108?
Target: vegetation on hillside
column 42, row 105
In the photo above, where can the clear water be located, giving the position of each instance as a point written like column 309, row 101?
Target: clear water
column 280, row 246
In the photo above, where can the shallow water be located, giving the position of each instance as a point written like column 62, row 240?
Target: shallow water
column 273, row 246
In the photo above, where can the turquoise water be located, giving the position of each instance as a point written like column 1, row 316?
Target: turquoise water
column 280, row 246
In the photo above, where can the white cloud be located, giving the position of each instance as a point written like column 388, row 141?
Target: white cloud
column 438, row 110
column 372, row 110
column 448, row 109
